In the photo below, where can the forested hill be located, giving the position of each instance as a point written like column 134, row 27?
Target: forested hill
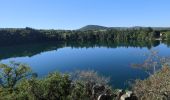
column 97, row 27
column 97, row 33
column 93, row 27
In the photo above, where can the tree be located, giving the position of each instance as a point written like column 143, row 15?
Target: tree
column 54, row 86
column 152, row 63
column 13, row 73
column 10, row 76
column 91, row 83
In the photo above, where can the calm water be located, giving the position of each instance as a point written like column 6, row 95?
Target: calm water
column 108, row 59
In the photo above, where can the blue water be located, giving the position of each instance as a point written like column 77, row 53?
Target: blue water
column 107, row 61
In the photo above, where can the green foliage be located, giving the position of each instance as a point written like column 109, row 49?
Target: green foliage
column 16, row 85
column 168, row 35
column 10, row 75
column 29, row 35
column 54, row 86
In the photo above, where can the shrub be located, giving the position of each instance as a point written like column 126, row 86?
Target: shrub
column 16, row 84
column 156, row 87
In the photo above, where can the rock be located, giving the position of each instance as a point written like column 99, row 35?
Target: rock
column 106, row 97
column 118, row 95
column 129, row 95
column 132, row 97
column 126, row 95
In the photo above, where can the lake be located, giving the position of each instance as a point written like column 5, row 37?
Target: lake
column 110, row 59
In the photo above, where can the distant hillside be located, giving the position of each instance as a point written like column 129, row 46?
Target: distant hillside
column 97, row 27
column 93, row 27
column 161, row 28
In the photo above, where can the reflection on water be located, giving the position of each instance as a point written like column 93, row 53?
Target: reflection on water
column 33, row 49
column 109, row 58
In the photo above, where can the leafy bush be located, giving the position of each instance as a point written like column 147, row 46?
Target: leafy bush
column 10, row 76
column 54, row 86
column 19, row 83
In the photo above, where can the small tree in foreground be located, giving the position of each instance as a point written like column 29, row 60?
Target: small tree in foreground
column 11, row 74
column 92, row 83
column 152, row 63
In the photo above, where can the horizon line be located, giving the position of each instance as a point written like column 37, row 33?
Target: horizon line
column 84, row 26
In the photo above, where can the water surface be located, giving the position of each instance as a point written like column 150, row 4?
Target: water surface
column 112, row 60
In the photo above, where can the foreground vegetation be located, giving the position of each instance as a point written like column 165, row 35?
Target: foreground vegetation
column 156, row 87
column 19, row 83
column 29, row 35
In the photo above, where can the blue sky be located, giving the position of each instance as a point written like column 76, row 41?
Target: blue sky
column 73, row 14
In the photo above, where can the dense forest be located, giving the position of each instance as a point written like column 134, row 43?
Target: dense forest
column 30, row 35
